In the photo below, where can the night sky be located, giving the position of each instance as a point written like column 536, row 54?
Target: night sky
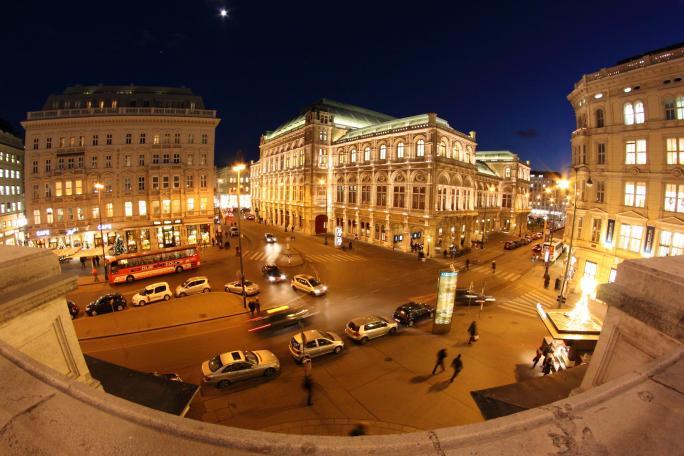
column 503, row 69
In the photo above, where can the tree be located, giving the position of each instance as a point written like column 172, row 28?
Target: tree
column 119, row 247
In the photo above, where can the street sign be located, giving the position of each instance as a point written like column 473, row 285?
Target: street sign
column 338, row 236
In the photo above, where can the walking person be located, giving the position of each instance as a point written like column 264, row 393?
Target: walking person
column 308, row 366
column 547, row 365
column 350, row 244
column 308, row 387
column 97, row 260
column 96, row 278
column 83, row 262
column 493, row 266
column 472, row 330
column 257, row 306
column 536, row 358
column 251, row 306
column 467, row 264
column 457, row 364
column 441, row 356
column 547, row 280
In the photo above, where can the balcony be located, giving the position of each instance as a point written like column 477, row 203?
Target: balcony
column 92, row 112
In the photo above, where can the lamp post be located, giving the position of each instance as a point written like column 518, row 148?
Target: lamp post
column 99, row 187
column 325, row 234
column 549, row 210
column 565, row 184
column 237, row 168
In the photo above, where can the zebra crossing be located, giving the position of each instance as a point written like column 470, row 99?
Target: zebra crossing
column 509, row 276
column 256, row 255
column 526, row 304
column 271, row 257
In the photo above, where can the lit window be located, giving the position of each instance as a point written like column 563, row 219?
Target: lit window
column 79, row 187
column 635, row 194
column 36, row 216
column 58, row 189
column 128, row 209
column 674, row 198
column 48, row 215
column 680, row 108
column 628, row 112
column 630, row 237
column 142, row 207
column 420, row 148
column 670, row 243
column 635, row 152
column 155, row 139
column 67, row 188
column 109, row 210
column 400, row 150
column 191, row 205
column 353, row 156
column 166, row 207
column 675, row 151
column 383, row 152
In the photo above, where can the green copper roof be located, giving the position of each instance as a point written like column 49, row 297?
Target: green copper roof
column 344, row 115
column 482, row 168
column 495, row 155
column 420, row 119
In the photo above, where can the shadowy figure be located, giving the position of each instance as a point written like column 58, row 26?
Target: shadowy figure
column 472, row 330
column 308, row 387
column 457, row 364
column 441, row 356
column 358, row 430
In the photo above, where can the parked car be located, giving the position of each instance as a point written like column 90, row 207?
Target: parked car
column 159, row 291
column 510, row 245
column 279, row 317
column 73, row 308
column 192, row 286
column 318, row 343
column 367, row 327
column 249, row 217
column 408, row 314
column 523, row 241
column 466, row 297
column 106, row 304
column 171, row 376
column 538, row 235
column 273, row 273
column 251, row 288
column 233, row 231
column 308, row 284
column 227, row 368
column 270, row 238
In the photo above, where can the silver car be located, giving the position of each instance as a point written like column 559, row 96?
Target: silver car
column 308, row 284
column 226, row 368
column 317, row 343
column 361, row 329
column 251, row 288
column 193, row 285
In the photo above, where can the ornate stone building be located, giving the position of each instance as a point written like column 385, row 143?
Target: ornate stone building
column 385, row 181
column 629, row 144
column 151, row 147
column 12, row 219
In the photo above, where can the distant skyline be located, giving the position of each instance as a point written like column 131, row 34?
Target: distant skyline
column 502, row 69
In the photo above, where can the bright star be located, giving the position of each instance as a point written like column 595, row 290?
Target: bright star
column 223, row 12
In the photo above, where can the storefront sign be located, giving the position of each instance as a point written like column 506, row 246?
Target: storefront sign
column 610, row 231
column 650, row 235
column 338, row 236
column 446, row 298
column 104, row 226
column 43, row 233
column 71, row 231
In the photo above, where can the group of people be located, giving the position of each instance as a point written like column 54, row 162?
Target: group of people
column 254, row 306
column 548, row 365
column 456, row 363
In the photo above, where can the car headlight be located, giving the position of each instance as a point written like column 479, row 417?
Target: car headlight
column 271, row 279
column 282, row 277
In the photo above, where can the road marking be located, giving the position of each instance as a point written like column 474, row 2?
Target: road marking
column 526, row 304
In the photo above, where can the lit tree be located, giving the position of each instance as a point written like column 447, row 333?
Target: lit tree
column 119, row 247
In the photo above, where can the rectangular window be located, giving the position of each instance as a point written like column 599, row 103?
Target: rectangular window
column 79, row 187
column 36, row 216
column 67, row 188
column 398, row 196
column 352, row 194
column 674, row 198
column 381, row 195
column 189, row 181
column 675, row 151
column 35, row 144
column 142, row 208
column 175, row 206
column 129, row 138
column 600, row 191
column 176, row 138
column 155, row 159
column 155, row 139
column 167, row 138
column 48, row 165
column 142, row 138
column 80, row 162
column 108, row 161
column 203, row 204
column 601, row 153
column 70, row 214
column 141, row 160
column 418, row 198
column 60, row 163
column 96, row 212
column 58, row 189
column 60, row 215
column 205, row 138
column 580, row 226
column 155, row 208
column 48, row 191
column 670, row 110
column 155, row 182
column 670, row 243
column 96, row 140
column 203, row 181
column 635, row 152
column 48, row 215
column 365, row 194
column 176, row 158
column 635, row 194
column 127, row 184
column 190, row 158
column 165, row 181
column 141, row 183
column 34, row 167
column 190, row 207
column 48, row 143
column 128, row 209
column 93, row 161
column 176, row 181
column 80, row 213
column 191, row 138
column 70, row 163
column 109, row 139
column 203, row 159
column 166, row 207
column 340, row 194
column 109, row 210
column 127, row 161
column 596, row 231
column 166, row 159
column 630, row 237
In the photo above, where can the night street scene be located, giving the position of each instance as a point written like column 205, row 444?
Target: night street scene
column 299, row 228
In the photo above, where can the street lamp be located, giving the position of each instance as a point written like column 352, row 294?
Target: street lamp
column 237, row 168
column 325, row 234
column 565, row 184
column 99, row 187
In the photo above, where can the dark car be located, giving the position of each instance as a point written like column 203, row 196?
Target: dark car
column 408, row 314
column 524, row 241
column 510, row 245
column 270, row 238
column 106, row 304
column 273, row 273
column 278, row 317
column 466, row 297
column 73, row 308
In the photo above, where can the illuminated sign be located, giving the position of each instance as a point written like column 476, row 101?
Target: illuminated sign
column 43, row 233
column 71, row 231
column 650, row 234
column 610, row 231
column 446, row 298
column 104, row 226
column 338, row 236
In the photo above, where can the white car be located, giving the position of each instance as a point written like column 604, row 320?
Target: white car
column 234, row 231
column 156, row 292
column 270, row 238
column 251, row 288
column 192, row 286
column 361, row 329
column 317, row 343
column 308, row 284
column 226, row 368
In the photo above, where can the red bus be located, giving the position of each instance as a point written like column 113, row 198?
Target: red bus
column 135, row 266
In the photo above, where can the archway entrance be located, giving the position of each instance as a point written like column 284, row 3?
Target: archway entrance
column 321, row 223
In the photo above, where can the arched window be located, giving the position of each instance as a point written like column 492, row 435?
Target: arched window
column 442, row 150
column 507, row 172
column 400, row 150
column 457, row 151
column 420, row 148
column 680, row 108
column 366, row 154
column 599, row 118
column 353, row 156
column 639, row 116
column 383, row 152
column 628, row 113
column 468, row 154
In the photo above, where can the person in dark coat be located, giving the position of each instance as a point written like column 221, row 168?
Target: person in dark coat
column 441, row 356
column 467, row 264
column 493, row 266
column 472, row 330
column 457, row 364
column 350, row 244
column 308, row 387
column 548, row 365
column 251, row 306
column 83, row 262
column 257, row 306
column 536, row 358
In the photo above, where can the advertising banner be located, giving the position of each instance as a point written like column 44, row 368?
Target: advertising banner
column 338, row 236
column 648, row 243
column 446, row 298
column 610, row 231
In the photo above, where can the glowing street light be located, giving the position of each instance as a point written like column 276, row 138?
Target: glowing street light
column 237, row 168
column 223, row 12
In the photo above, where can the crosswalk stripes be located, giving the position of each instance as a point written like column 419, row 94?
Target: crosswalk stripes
column 330, row 257
column 526, row 304
column 510, row 276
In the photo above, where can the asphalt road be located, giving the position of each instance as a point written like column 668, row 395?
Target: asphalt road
column 361, row 281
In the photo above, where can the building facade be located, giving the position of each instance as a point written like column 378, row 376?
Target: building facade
column 386, row 181
column 12, row 219
column 515, row 187
column 547, row 200
column 629, row 144
column 226, row 189
column 152, row 148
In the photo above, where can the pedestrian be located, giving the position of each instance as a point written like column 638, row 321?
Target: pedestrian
column 350, row 244
column 457, row 364
column 547, row 280
column 444, row 252
column 308, row 387
column 467, row 264
column 257, row 306
column 441, row 356
column 358, row 430
column 237, row 251
column 97, row 260
column 536, row 358
column 83, row 262
column 306, row 362
column 251, row 306
column 472, row 330
column 92, row 261
column 547, row 365
column 493, row 266
column 95, row 276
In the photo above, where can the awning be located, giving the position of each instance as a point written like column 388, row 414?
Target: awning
column 517, row 397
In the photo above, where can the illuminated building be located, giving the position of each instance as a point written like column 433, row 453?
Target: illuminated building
column 547, row 199
column 12, row 219
column 386, row 181
column 151, row 147
column 226, row 188
column 629, row 143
